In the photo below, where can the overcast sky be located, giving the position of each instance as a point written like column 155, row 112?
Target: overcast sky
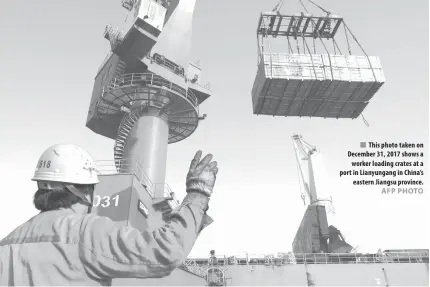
column 49, row 55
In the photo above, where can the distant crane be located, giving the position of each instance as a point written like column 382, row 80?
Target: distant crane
column 305, row 154
column 323, row 238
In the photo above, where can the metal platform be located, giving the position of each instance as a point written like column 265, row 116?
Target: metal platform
column 114, row 90
column 148, row 89
column 129, row 82
column 323, row 86
column 298, row 25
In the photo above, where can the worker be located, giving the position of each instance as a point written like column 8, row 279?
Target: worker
column 65, row 244
column 212, row 259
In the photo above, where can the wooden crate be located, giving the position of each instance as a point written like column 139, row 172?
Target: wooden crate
column 328, row 86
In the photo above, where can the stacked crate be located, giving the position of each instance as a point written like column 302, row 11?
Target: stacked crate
column 304, row 85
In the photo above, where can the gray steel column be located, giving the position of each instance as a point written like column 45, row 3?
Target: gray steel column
column 175, row 40
column 147, row 144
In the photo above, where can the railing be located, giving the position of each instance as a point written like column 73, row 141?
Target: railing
column 165, row 63
column 168, row 193
column 143, row 177
column 191, row 266
column 324, row 258
column 108, row 167
column 115, row 36
column 148, row 79
column 207, row 86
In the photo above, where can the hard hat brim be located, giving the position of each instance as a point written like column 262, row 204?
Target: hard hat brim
column 44, row 178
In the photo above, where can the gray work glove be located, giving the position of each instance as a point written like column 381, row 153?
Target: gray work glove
column 202, row 175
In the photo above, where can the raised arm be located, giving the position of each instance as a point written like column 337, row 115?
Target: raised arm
column 109, row 250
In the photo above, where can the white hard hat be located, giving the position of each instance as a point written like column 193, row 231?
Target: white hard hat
column 66, row 163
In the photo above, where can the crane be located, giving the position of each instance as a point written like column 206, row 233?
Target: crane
column 307, row 157
column 324, row 238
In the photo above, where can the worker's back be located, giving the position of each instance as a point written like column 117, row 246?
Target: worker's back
column 68, row 246
column 61, row 247
column 45, row 251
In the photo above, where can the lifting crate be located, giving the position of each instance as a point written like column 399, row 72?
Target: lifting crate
column 308, row 84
